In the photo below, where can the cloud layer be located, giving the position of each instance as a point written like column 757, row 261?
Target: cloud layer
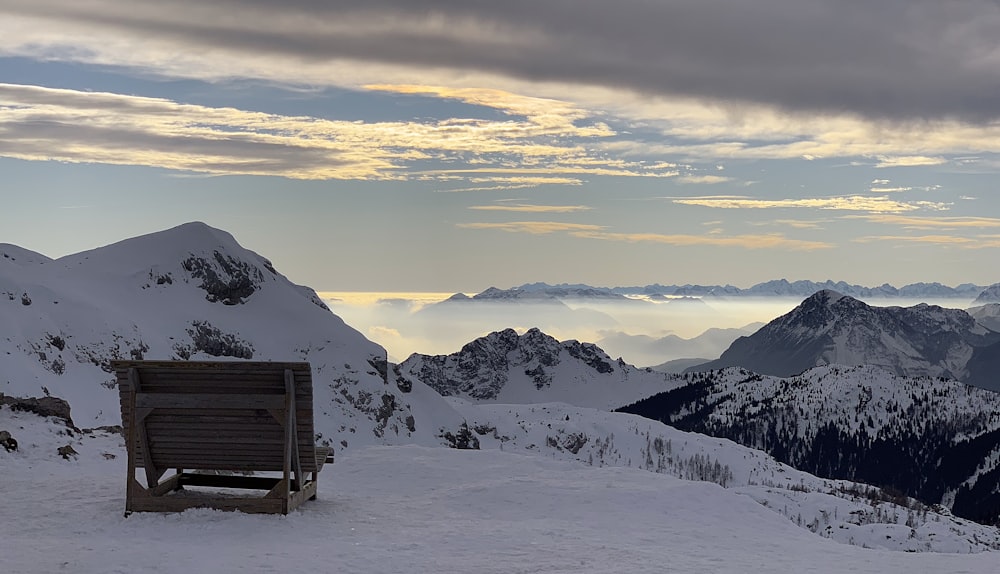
column 890, row 59
column 74, row 126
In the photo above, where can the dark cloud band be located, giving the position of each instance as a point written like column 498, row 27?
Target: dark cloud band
column 894, row 59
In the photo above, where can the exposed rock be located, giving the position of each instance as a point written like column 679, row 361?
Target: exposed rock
column 228, row 280
column 212, row 341
column 44, row 406
column 482, row 367
column 463, row 439
column 68, row 452
column 7, row 441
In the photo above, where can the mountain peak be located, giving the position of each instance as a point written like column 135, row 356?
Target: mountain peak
column 831, row 328
column 533, row 367
column 826, row 297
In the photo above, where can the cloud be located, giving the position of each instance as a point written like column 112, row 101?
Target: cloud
column 526, row 208
column 703, row 179
column 379, row 332
column 909, row 161
column 893, row 59
column 889, row 189
column 794, row 223
column 912, row 222
column 38, row 123
column 768, row 241
column 719, row 79
column 714, row 237
column 876, row 204
column 533, row 227
column 549, row 115
column 501, row 183
column 940, row 240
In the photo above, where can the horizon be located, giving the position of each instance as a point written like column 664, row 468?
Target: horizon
column 437, row 146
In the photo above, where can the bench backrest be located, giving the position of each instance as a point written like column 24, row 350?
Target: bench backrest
column 216, row 415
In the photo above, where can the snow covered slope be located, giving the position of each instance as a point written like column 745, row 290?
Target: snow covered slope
column 933, row 439
column 844, row 511
column 192, row 292
column 506, row 367
column 415, row 509
column 830, row 328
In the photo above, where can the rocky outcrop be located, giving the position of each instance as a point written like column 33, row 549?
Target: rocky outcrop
column 43, row 406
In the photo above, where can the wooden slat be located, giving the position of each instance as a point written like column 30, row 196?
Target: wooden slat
column 152, row 473
column 219, row 415
column 150, row 400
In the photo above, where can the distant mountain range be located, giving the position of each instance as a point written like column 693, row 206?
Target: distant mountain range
column 543, row 292
column 832, row 328
column 798, row 289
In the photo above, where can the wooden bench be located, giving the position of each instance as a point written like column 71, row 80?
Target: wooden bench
column 241, row 417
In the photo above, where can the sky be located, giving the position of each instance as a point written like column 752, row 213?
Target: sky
column 445, row 146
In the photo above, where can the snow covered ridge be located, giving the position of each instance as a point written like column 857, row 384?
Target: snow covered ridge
column 192, row 292
column 831, row 328
column 933, row 439
column 506, row 367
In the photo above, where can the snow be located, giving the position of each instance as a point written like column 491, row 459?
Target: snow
column 836, row 509
column 535, row 499
column 415, row 509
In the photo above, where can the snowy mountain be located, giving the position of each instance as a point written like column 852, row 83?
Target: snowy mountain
column 506, row 367
column 830, row 328
column 932, row 439
column 191, row 292
column 989, row 295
